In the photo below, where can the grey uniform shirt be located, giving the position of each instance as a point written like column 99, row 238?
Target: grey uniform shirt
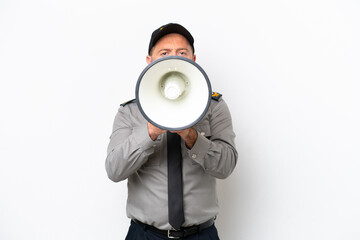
column 134, row 156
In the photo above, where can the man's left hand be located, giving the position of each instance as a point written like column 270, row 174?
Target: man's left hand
column 189, row 135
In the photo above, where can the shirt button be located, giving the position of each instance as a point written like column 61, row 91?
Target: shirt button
column 193, row 156
column 202, row 133
column 154, row 145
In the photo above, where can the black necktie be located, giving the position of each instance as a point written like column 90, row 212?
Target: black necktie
column 175, row 186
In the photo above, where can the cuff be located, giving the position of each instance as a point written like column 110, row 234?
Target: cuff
column 198, row 151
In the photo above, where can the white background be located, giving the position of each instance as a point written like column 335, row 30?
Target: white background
column 289, row 71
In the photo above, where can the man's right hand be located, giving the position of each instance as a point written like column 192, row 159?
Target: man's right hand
column 154, row 132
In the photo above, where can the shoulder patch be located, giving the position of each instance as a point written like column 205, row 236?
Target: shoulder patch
column 126, row 103
column 216, row 96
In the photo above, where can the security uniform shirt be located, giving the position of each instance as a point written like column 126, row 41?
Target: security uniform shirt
column 134, row 156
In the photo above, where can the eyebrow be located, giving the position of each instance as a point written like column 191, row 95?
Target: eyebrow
column 169, row 49
column 182, row 49
column 164, row 49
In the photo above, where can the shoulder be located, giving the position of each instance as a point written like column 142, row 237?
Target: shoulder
column 218, row 107
column 128, row 102
column 128, row 106
column 128, row 111
column 216, row 96
column 217, row 102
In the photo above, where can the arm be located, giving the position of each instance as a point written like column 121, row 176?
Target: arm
column 130, row 144
column 216, row 153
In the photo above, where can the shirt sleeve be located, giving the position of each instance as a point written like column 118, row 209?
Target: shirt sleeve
column 216, row 153
column 129, row 148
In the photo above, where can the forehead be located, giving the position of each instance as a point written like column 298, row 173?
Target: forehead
column 172, row 39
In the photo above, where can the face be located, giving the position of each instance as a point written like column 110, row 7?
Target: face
column 171, row 45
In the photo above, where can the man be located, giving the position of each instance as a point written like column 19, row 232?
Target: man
column 139, row 152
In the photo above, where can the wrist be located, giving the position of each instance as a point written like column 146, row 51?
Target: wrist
column 154, row 132
column 191, row 138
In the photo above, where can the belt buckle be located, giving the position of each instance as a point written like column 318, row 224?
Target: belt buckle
column 172, row 237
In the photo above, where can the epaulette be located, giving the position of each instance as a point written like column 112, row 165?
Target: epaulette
column 126, row 103
column 216, row 96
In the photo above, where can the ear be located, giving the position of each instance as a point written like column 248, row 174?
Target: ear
column 148, row 59
column 194, row 58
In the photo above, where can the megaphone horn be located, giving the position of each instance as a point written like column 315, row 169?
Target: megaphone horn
column 173, row 93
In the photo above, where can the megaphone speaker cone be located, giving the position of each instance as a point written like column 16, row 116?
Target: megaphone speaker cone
column 173, row 85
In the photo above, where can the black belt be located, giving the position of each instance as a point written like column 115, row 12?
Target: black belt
column 183, row 232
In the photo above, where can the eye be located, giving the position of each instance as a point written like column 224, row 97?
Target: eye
column 164, row 54
column 182, row 53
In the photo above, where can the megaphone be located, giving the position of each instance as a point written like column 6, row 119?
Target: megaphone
column 173, row 93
